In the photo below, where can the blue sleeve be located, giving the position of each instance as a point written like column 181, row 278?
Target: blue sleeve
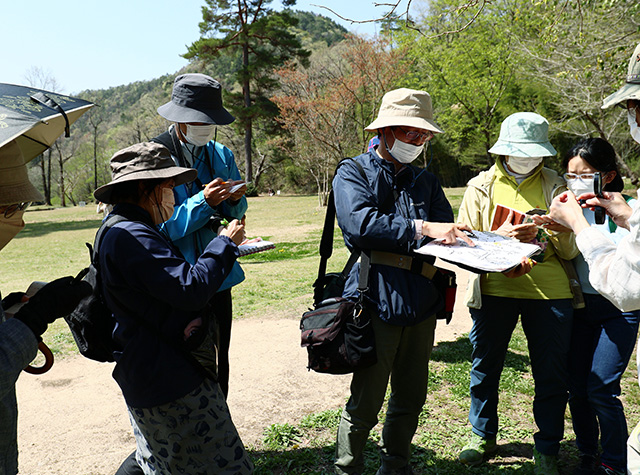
column 145, row 262
column 189, row 214
column 362, row 222
column 226, row 168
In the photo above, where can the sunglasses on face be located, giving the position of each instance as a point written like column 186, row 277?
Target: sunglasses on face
column 414, row 135
column 10, row 210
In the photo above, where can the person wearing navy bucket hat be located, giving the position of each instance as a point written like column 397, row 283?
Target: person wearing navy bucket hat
column 542, row 298
column 213, row 199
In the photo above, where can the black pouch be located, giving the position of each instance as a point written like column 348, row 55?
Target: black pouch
column 339, row 337
column 445, row 282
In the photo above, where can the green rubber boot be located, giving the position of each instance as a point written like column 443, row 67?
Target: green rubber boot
column 545, row 464
column 474, row 452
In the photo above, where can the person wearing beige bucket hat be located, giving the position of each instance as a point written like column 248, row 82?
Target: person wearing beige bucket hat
column 387, row 208
column 20, row 335
column 541, row 298
column 165, row 365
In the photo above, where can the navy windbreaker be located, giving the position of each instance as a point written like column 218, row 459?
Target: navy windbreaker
column 378, row 215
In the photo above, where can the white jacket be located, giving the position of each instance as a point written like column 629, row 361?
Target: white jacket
column 614, row 271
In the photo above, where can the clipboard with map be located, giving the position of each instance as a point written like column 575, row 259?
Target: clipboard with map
column 492, row 252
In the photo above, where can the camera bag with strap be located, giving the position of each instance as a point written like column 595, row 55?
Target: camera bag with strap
column 338, row 333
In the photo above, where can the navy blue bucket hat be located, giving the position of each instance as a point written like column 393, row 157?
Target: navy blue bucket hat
column 196, row 98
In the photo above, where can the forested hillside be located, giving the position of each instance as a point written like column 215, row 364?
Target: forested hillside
column 309, row 109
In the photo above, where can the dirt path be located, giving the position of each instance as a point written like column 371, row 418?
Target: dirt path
column 73, row 419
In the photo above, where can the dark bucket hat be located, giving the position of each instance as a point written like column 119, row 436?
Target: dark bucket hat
column 196, row 98
column 143, row 161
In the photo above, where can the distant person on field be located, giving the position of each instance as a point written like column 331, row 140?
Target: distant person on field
column 614, row 270
column 202, row 207
column 19, row 336
column 542, row 298
column 390, row 211
column 166, row 361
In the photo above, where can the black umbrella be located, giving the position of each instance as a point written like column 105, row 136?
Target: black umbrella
column 36, row 118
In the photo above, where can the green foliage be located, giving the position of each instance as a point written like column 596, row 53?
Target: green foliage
column 264, row 40
column 280, row 436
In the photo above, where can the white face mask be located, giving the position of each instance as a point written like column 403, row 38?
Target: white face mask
column 633, row 125
column 162, row 211
column 579, row 186
column 405, row 152
column 200, row 135
column 523, row 165
column 10, row 227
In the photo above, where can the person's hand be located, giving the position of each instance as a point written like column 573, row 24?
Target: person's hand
column 235, row 231
column 566, row 211
column 614, row 203
column 548, row 223
column 525, row 266
column 525, row 232
column 216, row 191
column 239, row 193
column 56, row 299
column 448, row 232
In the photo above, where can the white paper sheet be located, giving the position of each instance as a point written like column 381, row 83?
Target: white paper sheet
column 492, row 253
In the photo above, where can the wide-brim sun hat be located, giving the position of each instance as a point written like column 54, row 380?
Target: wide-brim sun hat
column 524, row 134
column 631, row 88
column 143, row 161
column 196, row 98
column 405, row 107
column 15, row 186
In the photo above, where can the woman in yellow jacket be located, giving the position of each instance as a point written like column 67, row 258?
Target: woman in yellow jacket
column 542, row 298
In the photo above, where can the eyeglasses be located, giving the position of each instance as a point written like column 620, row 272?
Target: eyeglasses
column 584, row 176
column 414, row 135
column 10, row 210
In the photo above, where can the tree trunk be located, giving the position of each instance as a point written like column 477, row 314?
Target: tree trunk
column 246, row 90
column 47, row 197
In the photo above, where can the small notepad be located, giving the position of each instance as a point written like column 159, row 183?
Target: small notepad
column 253, row 247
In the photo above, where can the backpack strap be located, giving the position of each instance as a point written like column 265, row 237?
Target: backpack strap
column 107, row 224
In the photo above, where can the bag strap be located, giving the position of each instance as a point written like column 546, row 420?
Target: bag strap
column 326, row 241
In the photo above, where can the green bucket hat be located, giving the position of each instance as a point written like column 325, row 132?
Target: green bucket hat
column 524, row 134
column 631, row 88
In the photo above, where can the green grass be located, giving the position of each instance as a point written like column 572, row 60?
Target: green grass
column 278, row 285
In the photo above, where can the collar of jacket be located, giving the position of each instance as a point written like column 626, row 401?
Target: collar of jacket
column 484, row 180
column 134, row 213
column 405, row 175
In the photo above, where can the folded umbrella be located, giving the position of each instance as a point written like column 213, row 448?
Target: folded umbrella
column 36, row 118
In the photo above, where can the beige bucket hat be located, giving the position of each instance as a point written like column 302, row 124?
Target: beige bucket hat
column 143, row 161
column 631, row 88
column 405, row 107
column 15, row 186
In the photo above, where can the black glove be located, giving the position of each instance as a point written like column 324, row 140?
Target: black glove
column 12, row 299
column 54, row 300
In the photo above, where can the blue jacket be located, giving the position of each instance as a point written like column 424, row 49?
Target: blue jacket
column 187, row 227
column 145, row 279
column 372, row 218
